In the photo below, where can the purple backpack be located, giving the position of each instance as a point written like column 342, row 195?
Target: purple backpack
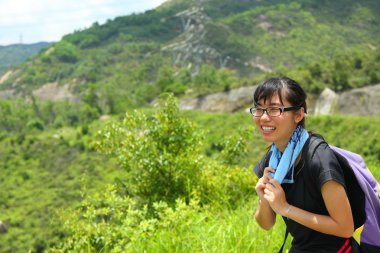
column 363, row 193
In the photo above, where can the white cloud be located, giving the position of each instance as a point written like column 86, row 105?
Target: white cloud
column 48, row 20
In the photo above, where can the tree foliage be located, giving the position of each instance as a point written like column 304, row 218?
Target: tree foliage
column 159, row 152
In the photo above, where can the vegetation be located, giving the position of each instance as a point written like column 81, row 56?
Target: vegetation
column 110, row 181
column 155, row 178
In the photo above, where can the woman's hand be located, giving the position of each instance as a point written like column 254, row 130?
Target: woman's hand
column 263, row 181
column 275, row 195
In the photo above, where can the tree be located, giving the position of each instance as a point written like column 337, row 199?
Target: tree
column 160, row 153
column 66, row 52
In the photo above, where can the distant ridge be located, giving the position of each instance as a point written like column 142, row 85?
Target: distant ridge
column 36, row 44
column 15, row 54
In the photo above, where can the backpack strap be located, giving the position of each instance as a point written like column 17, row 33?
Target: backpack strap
column 314, row 141
column 283, row 244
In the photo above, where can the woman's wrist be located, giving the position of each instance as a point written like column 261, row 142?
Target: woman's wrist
column 288, row 210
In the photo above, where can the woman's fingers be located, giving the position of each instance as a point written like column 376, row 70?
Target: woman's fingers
column 264, row 184
column 275, row 196
column 274, row 183
column 267, row 170
column 268, row 195
column 273, row 189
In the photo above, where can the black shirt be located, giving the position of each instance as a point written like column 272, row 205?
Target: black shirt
column 305, row 193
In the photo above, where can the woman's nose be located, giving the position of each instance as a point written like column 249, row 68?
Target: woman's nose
column 265, row 116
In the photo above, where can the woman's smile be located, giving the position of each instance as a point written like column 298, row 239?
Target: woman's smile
column 267, row 129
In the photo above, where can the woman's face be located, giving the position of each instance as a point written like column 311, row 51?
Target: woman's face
column 278, row 129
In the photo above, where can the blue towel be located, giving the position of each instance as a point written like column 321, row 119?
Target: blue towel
column 284, row 163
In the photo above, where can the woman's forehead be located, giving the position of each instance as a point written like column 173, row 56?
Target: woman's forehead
column 273, row 99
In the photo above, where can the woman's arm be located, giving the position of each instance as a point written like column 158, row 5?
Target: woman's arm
column 264, row 215
column 339, row 222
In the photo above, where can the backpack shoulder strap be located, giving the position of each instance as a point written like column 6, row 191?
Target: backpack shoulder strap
column 314, row 141
column 283, row 244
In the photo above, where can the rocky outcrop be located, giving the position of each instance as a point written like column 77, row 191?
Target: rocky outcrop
column 326, row 102
column 190, row 48
column 5, row 77
column 49, row 91
column 229, row 101
column 55, row 92
column 7, row 94
column 361, row 102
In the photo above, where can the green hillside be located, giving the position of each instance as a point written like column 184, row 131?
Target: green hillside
column 198, row 47
column 109, row 172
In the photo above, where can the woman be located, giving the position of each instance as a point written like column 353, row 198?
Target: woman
column 313, row 200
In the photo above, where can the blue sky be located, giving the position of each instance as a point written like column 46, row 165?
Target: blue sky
column 29, row 21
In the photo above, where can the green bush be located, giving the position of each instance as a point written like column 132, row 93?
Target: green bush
column 35, row 124
column 160, row 153
column 66, row 52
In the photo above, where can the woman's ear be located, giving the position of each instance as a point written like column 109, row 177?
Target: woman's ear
column 299, row 115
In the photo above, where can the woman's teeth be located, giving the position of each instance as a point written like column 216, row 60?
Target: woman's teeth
column 265, row 128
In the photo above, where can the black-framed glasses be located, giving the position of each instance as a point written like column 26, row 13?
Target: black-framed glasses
column 271, row 111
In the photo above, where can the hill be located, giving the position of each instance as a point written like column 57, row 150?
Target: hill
column 198, row 47
column 15, row 54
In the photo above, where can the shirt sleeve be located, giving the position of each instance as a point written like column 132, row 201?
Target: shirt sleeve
column 260, row 166
column 326, row 166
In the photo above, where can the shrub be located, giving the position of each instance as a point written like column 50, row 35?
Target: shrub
column 159, row 152
column 66, row 52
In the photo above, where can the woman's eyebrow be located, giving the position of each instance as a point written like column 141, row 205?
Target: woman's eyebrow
column 271, row 104
column 276, row 103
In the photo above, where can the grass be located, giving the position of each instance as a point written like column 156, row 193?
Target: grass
column 217, row 231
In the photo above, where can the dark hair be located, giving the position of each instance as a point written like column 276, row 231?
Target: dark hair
column 293, row 92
